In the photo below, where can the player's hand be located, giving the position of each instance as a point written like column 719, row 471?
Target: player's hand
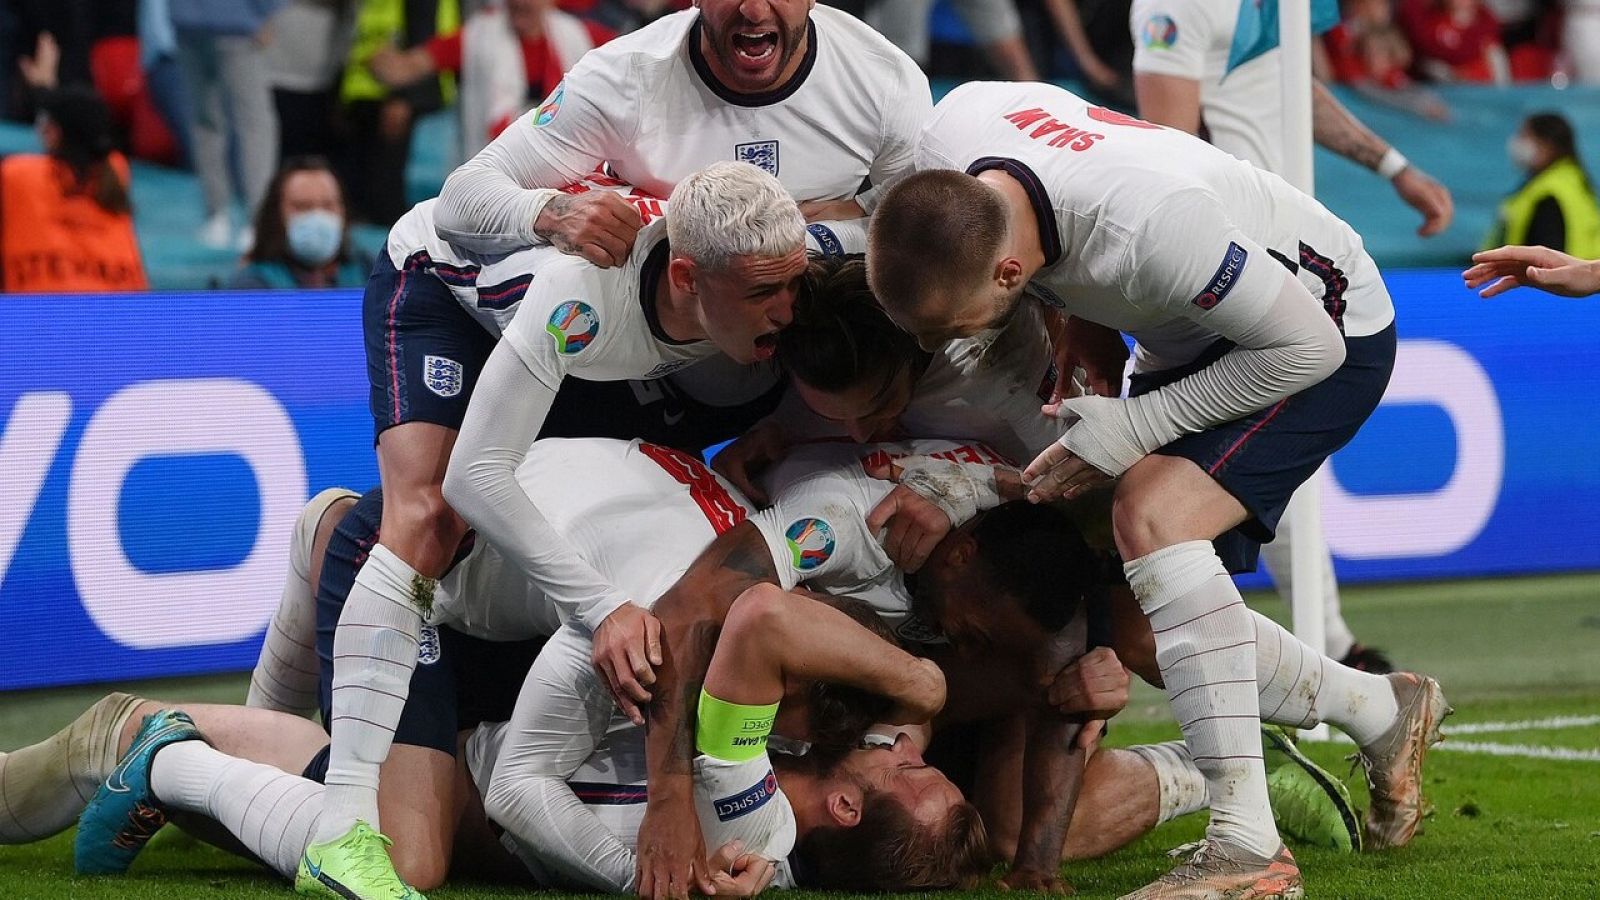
column 1426, row 196
column 43, row 68
column 1093, row 686
column 1095, row 349
column 1060, row 474
column 1023, row 879
column 627, row 648
column 831, row 210
column 923, row 696
column 743, row 461
column 598, row 226
column 1504, row 268
column 736, row 873
column 915, row 526
column 671, row 861
column 1089, row 736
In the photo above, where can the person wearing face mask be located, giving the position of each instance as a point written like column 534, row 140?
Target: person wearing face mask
column 300, row 234
column 1555, row 207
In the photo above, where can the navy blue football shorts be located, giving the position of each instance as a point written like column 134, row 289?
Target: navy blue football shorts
column 459, row 682
column 1264, row 457
column 424, row 352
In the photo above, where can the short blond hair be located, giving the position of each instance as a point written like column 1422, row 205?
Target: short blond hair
column 932, row 231
column 731, row 209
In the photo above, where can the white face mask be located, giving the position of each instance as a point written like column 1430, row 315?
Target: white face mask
column 315, row 236
column 1522, row 150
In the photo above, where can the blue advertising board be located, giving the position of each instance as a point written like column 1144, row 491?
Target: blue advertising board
column 157, row 448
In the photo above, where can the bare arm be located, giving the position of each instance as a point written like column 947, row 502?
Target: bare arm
column 772, row 636
column 671, row 848
column 1052, row 777
column 1336, row 129
column 1064, row 14
column 1168, row 100
column 397, row 68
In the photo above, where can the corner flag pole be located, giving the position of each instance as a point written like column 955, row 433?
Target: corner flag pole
column 1304, row 515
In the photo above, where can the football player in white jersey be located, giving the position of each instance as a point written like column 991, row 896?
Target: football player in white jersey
column 810, row 94
column 1191, row 72
column 740, row 251
column 1265, row 338
column 1197, row 65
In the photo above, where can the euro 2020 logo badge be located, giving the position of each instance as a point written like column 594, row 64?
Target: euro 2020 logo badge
column 551, row 106
column 810, row 542
column 1160, row 32
column 574, row 325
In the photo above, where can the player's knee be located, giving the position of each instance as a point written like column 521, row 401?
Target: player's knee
column 421, row 528
column 1136, row 520
column 423, row 864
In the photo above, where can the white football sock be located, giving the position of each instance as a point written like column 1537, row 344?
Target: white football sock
column 374, row 654
column 286, row 675
column 1183, row 787
column 45, row 786
column 1205, row 646
column 1300, row 687
column 1279, row 560
column 270, row 811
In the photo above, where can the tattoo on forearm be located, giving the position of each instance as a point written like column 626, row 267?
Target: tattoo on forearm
column 1336, row 129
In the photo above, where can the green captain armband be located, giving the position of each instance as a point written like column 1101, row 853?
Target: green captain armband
column 732, row 732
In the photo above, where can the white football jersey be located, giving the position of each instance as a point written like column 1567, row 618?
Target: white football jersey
column 647, row 105
column 1192, row 39
column 490, row 286
column 1150, row 230
column 638, row 513
column 816, row 527
column 603, row 765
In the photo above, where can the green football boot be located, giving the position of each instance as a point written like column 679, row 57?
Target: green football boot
column 1310, row 805
column 354, row 866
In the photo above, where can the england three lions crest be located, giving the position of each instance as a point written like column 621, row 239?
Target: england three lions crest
column 761, row 154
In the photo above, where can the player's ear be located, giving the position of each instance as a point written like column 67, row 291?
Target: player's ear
column 844, row 806
column 681, row 273
column 1008, row 273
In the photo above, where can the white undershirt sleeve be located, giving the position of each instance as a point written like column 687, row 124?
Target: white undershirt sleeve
column 560, row 718
column 508, row 408
column 489, row 203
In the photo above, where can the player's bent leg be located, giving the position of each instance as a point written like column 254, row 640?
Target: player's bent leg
column 1165, row 513
column 286, row 675
column 420, row 809
column 44, row 786
column 375, row 646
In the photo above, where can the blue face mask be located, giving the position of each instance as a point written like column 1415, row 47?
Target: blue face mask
column 315, row 236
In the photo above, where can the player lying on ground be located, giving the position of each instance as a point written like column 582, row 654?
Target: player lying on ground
column 1265, row 338
column 771, row 642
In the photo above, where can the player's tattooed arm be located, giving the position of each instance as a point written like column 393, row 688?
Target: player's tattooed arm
column 1052, row 774
column 597, row 225
column 1336, row 128
column 672, row 853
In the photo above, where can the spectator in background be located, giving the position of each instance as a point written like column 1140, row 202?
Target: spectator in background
column 1556, row 206
column 377, row 121
column 1455, row 40
column 1369, row 52
column 305, row 72
column 507, row 57
column 301, row 239
column 66, row 223
column 1580, row 39
column 163, row 77
column 995, row 27
column 222, row 51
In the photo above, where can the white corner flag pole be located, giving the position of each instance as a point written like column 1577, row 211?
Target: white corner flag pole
column 1303, row 518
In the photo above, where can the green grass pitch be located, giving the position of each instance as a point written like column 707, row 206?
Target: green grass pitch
column 1512, row 655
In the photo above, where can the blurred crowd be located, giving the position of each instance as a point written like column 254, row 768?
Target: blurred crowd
column 297, row 115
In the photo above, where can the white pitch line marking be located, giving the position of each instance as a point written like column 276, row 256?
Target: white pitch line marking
column 1530, row 751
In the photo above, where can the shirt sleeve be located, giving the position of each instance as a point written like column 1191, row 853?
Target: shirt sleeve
column 740, row 801
column 1190, row 258
column 1170, row 37
column 903, row 118
column 513, row 396
column 489, row 204
column 560, row 718
column 816, row 527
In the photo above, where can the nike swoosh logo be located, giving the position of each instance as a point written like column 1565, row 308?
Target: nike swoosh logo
column 115, row 782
